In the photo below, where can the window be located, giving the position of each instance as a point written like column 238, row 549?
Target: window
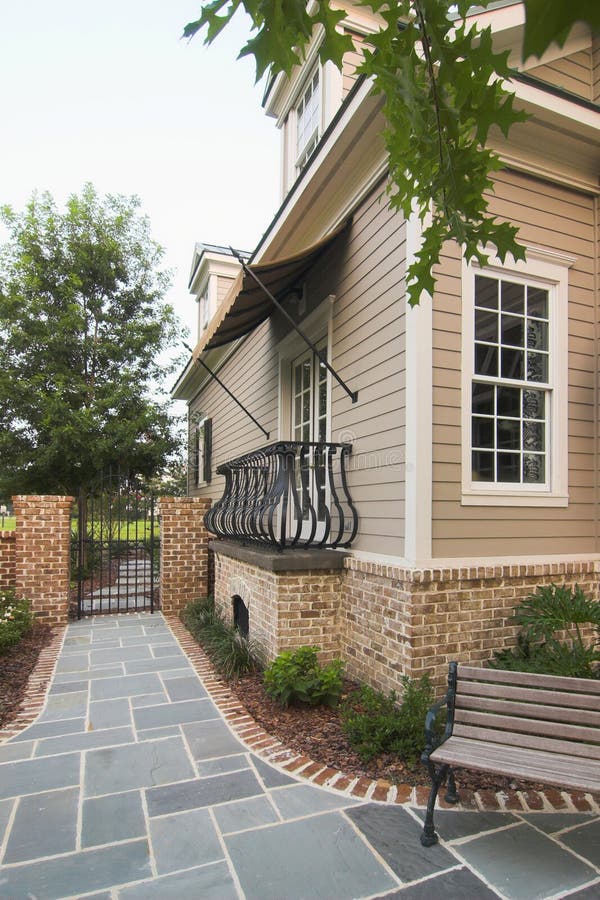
column 308, row 120
column 515, row 382
column 510, row 389
column 204, row 310
column 202, row 452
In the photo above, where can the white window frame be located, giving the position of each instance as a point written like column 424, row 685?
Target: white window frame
column 550, row 270
column 302, row 155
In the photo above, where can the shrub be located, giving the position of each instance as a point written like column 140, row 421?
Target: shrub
column 16, row 619
column 295, row 676
column 551, row 640
column 232, row 654
column 375, row 723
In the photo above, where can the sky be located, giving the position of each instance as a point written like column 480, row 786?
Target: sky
column 109, row 93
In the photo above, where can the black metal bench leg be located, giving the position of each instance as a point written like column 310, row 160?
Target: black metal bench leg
column 451, row 792
column 428, row 835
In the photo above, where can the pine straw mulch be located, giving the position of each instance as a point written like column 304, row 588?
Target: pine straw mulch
column 316, row 732
column 16, row 665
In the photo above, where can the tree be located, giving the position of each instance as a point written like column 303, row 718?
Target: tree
column 82, row 327
column 443, row 90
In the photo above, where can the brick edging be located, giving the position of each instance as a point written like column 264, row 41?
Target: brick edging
column 273, row 751
column 36, row 690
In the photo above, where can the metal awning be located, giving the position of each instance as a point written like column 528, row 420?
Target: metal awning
column 246, row 304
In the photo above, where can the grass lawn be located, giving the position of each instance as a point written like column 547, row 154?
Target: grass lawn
column 7, row 523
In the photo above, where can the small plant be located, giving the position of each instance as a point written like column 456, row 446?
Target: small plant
column 296, row 676
column 551, row 640
column 232, row 654
column 16, row 619
column 376, row 723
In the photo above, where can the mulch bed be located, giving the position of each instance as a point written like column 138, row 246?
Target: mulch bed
column 316, row 732
column 16, row 665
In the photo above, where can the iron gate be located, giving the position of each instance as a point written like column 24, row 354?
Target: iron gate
column 116, row 548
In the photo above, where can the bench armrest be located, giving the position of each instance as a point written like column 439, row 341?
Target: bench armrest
column 432, row 736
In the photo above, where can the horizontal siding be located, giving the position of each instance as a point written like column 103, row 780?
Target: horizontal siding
column 350, row 63
column 365, row 272
column 572, row 73
column 596, row 69
column 223, row 285
column 553, row 217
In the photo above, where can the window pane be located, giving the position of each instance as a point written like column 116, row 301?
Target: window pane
column 537, row 302
column 537, row 335
column 509, row 467
column 509, row 401
column 534, row 405
column 537, row 367
column 306, row 367
column 513, row 330
column 486, row 292
column 486, row 360
column 298, row 410
column 305, row 407
column 297, row 380
column 534, row 469
column 483, row 399
column 533, row 436
column 513, row 297
column 486, row 326
column 513, row 364
column 323, row 398
column 483, row 466
column 483, row 432
column 509, row 434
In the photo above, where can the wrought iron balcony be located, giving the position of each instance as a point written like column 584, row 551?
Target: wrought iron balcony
column 287, row 494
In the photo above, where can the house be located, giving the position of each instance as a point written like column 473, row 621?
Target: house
column 424, row 468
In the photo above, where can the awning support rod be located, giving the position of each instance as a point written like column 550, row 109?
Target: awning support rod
column 226, row 389
column 352, row 394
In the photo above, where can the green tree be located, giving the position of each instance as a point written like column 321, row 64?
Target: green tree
column 82, row 329
column 443, row 90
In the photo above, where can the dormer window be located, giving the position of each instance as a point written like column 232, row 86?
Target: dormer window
column 308, row 120
column 204, row 310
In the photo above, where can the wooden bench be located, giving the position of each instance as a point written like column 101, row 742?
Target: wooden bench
column 535, row 727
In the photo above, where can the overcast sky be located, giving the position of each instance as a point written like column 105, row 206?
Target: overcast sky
column 108, row 93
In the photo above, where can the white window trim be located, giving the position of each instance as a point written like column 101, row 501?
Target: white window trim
column 199, row 480
column 549, row 268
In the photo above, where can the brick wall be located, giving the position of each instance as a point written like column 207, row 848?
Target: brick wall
column 43, row 554
column 183, row 552
column 286, row 609
column 398, row 620
column 7, row 559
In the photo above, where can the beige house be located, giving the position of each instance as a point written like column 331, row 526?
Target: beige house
column 446, row 458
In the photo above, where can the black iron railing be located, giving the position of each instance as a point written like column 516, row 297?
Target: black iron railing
column 287, row 494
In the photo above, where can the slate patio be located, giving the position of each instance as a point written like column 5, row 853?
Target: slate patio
column 131, row 784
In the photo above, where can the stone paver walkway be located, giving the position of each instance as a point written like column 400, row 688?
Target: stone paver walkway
column 131, row 784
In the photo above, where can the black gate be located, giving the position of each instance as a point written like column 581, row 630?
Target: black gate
column 116, row 548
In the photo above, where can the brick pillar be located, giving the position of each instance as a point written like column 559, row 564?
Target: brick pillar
column 7, row 559
column 183, row 552
column 43, row 555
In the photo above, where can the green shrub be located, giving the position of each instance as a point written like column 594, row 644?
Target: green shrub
column 375, row 723
column 16, row 619
column 551, row 640
column 231, row 654
column 296, row 677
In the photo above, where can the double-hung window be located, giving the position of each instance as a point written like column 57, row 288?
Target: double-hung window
column 515, row 382
column 308, row 120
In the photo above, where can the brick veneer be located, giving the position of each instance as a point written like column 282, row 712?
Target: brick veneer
column 43, row 554
column 183, row 551
column 397, row 620
column 7, row 559
column 286, row 608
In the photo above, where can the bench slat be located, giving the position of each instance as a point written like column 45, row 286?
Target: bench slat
column 534, row 742
column 513, row 692
column 554, row 682
column 528, row 726
column 511, row 708
column 519, row 762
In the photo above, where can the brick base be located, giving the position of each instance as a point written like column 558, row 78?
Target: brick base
column 7, row 559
